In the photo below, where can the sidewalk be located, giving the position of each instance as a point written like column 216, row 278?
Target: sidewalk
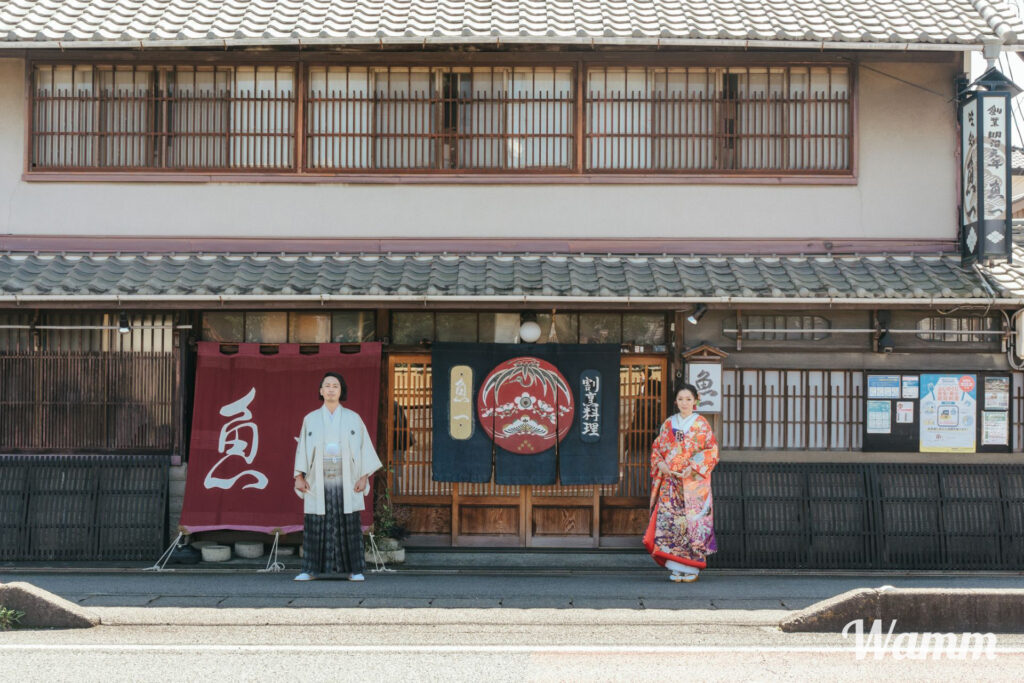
column 243, row 587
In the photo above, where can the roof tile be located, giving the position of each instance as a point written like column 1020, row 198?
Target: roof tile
column 340, row 21
column 582, row 277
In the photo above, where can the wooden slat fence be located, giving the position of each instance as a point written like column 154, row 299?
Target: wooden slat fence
column 82, row 507
column 869, row 516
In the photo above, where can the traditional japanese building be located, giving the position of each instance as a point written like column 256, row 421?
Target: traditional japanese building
column 765, row 198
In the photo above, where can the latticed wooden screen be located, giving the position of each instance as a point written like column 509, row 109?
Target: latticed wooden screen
column 642, row 409
column 410, row 423
column 93, row 402
column 70, row 381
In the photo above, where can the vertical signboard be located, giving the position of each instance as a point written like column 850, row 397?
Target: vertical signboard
column 460, row 409
column 707, row 377
column 995, row 183
column 970, row 211
column 985, row 213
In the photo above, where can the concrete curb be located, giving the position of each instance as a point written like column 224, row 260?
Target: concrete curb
column 918, row 610
column 425, row 616
column 44, row 609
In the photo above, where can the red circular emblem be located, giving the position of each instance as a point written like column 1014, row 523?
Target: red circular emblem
column 966, row 384
column 524, row 403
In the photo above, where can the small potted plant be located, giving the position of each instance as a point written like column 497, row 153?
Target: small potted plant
column 389, row 528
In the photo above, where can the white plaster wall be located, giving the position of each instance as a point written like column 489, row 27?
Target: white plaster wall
column 12, row 128
column 906, row 190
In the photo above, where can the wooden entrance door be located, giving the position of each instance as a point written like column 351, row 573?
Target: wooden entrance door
column 491, row 515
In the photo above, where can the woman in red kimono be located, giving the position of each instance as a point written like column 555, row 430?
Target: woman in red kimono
column 681, row 534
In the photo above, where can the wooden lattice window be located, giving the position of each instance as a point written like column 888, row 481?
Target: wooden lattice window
column 434, row 119
column 139, row 117
column 769, row 409
column 783, row 119
column 87, row 401
column 779, row 120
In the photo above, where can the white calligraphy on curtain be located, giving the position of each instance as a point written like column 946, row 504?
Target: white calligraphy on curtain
column 232, row 444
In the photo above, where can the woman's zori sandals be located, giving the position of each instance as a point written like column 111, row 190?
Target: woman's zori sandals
column 681, row 573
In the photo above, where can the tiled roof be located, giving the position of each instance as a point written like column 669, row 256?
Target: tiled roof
column 487, row 277
column 78, row 23
column 1017, row 160
column 1007, row 279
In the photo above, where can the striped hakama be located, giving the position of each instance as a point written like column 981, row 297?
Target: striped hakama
column 332, row 543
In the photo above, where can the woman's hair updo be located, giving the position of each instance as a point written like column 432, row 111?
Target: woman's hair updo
column 686, row 386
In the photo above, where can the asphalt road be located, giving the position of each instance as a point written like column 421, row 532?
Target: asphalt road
column 625, row 590
column 465, row 645
column 599, row 627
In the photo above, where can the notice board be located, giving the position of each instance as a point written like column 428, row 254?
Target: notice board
column 937, row 411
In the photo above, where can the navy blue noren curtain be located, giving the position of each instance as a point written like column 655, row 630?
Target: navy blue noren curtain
column 588, row 454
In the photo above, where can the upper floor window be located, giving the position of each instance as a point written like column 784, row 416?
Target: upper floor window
column 169, row 118
column 481, row 119
column 700, row 119
column 326, row 118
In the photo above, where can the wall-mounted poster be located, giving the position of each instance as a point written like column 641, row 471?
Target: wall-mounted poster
column 904, row 412
column 879, row 417
column 995, row 428
column 910, row 386
column 948, row 413
column 997, row 393
column 883, row 386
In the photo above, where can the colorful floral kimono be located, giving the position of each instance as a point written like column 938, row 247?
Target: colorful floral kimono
column 681, row 528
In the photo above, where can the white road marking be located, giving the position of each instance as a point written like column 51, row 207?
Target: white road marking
column 447, row 649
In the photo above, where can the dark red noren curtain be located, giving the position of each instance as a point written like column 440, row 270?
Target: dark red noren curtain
column 248, row 410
